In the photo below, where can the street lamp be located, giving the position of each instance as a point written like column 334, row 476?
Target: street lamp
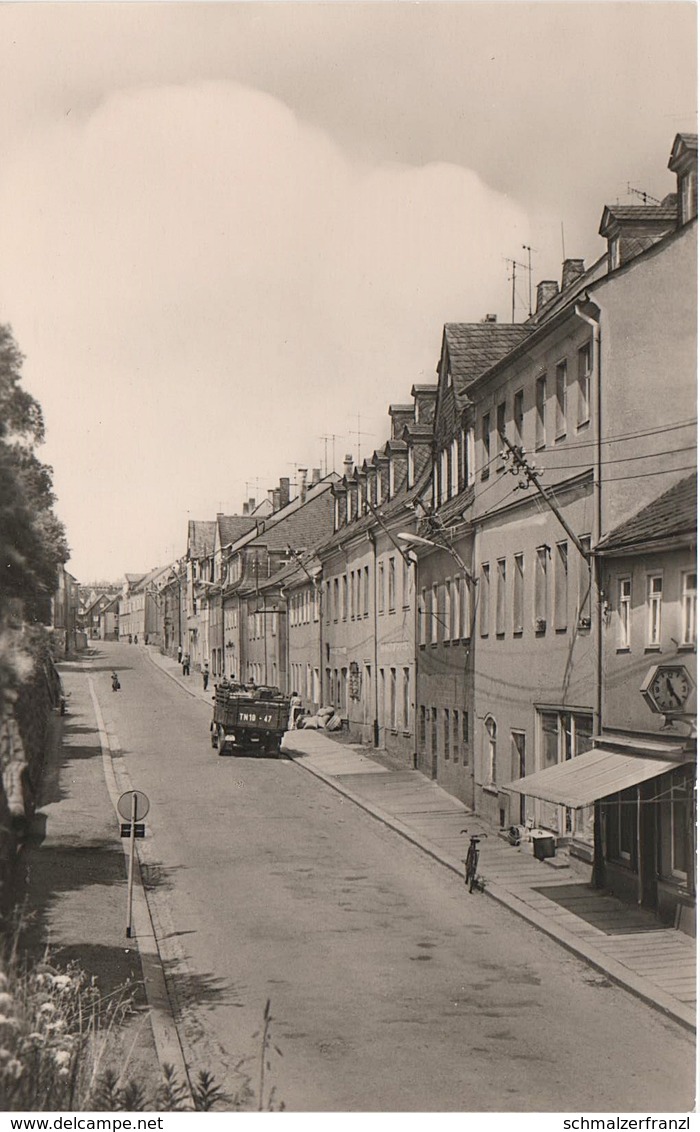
column 419, row 540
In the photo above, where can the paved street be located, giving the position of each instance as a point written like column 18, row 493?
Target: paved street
column 391, row 989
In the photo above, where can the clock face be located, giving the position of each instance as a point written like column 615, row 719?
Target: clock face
column 669, row 688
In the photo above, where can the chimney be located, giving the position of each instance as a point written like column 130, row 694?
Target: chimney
column 347, row 465
column 275, row 499
column 315, row 476
column 490, row 318
column 546, row 290
column 271, row 497
column 284, row 491
column 244, row 509
column 302, row 483
column 572, row 269
column 251, row 506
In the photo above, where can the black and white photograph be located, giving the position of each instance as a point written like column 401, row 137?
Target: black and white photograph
column 348, row 575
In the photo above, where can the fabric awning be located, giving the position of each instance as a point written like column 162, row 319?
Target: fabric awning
column 581, row 781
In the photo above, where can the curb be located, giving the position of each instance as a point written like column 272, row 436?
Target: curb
column 615, row 971
column 165, row 1033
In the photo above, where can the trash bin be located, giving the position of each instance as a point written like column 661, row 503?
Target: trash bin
column 543, row 845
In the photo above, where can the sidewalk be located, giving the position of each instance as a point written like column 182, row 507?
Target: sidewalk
column 626, row 944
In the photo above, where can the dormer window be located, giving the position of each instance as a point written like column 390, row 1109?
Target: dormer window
column 337, row 513
column 379, row 486
column 688, row 186
column 348, row 507
column 392, row 474
column 613, row 252
column 411, row 468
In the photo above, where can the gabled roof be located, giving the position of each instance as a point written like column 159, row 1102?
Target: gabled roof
column 231, row 527
column 672, row 515
column 476, row 346
column 200, row 537
column 631, row 215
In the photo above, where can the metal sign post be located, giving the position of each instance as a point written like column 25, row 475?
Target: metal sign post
column 133, row 807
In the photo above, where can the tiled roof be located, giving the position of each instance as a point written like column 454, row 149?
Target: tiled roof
column 476, row 346
column 689, row 140
column 231, row 527
column 200, row 538
column 304, row 527
column 133, row 579
column 629, row 212
column 671, row 515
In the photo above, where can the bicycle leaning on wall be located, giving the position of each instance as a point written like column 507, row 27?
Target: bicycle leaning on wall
column 471, row 862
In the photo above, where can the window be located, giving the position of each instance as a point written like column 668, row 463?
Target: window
column 348, row 505
column 392, row 582
column 405, row 580
column 561, row 586
column 518, row 415
column 447, row 613
column 366, row 603
column 614, row 252
column 352, row 595
column 585, row 584
column 410, row 467
column 689, row 600
column 434, row 614
column 381, row 706
column 564, row 735
column 465, row 738
column 485, row 599
column 336, row 598
column 464, row 609
column 422, row 614
column 421, row 729
column 654, row 596
column 454, row 467
column 689, row 197
column 677, row 826
column 485, row 445
column 541, row 595
column 446, row 733
column 433, row 732
column 518, row 590
column 406, row 699
column 584, row 385
column 491, row 736
column 344, row 593
column 501, row 430
column 380, row 587
column 392, row 478
column 561, row 400
column 328, row 602
column 541, row 408
column 444, row 474
column 455, row 736
column 624, row 609
column 456, row 609
column 469, row 469
column 392, row 699
column 500, row 597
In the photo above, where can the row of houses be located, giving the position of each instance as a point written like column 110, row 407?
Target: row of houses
column 503, row 595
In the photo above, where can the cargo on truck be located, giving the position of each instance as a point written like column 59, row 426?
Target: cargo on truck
column 248, row 719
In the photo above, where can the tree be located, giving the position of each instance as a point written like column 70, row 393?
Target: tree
column 32, row 539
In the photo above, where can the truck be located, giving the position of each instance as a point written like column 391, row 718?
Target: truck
column 248, row 719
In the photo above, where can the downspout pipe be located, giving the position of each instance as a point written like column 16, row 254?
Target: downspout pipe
column 373, row 541
column 589, row 313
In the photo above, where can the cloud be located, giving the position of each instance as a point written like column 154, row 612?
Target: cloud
column 205, row 285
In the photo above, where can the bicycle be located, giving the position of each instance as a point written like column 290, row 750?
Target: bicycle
column 472, row 860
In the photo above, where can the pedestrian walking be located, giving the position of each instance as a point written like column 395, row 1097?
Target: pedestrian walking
column 129, row 638
column 115, row 682
column 295, row 710
column 186, row 664
column 205, row 675
column 136, row 638
column 179, row 654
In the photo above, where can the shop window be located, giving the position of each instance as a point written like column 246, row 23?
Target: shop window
column 621, row 827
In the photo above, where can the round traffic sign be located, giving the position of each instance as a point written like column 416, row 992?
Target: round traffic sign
column 125, row 805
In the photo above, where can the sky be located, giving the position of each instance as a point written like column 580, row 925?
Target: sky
column 230, row 230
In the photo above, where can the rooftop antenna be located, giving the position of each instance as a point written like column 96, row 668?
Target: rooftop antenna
column 645, row 197
column 359, row 434
column 331, row 436
column 514, row 264
column 529, row 250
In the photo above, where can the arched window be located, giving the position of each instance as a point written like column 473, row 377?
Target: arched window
column 491, row 735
